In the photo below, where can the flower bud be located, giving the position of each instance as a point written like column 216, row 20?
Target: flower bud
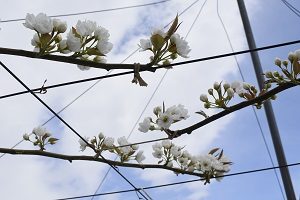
column 285, row 63
column 230, row 93
column 210, row 91
column 268, row 74
column 276, row 74
column 291, row 56
column 100, row 136
column 206, row 105
column 216, row 85
column 274, row 97
column 226, row 86
column 277, row 62
column 26, row 136
column 157, row 110
column 246, row 86
column 203, row 97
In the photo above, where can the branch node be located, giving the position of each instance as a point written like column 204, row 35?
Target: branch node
column 137, row 77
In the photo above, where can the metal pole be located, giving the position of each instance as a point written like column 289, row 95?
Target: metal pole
column 285, row 175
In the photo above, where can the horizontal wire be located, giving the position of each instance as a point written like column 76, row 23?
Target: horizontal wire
column 183, row 182
column 159, row 67
column 91, row 12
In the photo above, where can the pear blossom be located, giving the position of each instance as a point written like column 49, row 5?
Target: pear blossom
column 26, row 136
column 165, row 120
column 100, row 135
column 35, row 40
column 40, row 131
column 182, row 47
column 85, row 28
column 170, row 164
column 145, row 44
column 122, row 141
column 104, row 47
column 178, row 112
column 157, row 110
column 175, row 151
column 145, row 125
column 101, row 33
column 140, row 157
column 159, row 31
column 166, row 144
column 59, row 26
column 109, row 141
column 291, row 56
column 100, row 59
column 230, row 93
column 156, row 146
column 73, row 42
column 40, row 23
column 157, row 153
column 297, row 54
column 83, row 68
column 83, row 143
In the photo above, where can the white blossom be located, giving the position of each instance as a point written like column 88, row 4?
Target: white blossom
column 277, row 61
column 178, row 112
column 59, row 25
column 101, row 33
column 83, row 68
column 122, row 141
column 40, row 131
column 206, row 162
column 125, row 150
column 145, row 125
column 156, row 146
column 157, row 110
column 175, row 151
column 297, row 54
column 40, row 23
column 165, row 120
column 291, row 56
column 182, row 47
column 85, row 28
column 100, row 59
column 104, row 47
column 140, row 157
column 73, row 42
column 157, row 153
column 159, row 31
column 170, row 164
column 109, row 141
column 100, row 135
column 230, row 93
column 145, row 44
column 35, row 40
column 83, row 143
column 166, row 144
column 183, row 161
column 237, row 86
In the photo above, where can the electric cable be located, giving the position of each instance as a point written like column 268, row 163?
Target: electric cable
column 253, row 109
column 182, row 182
column 291, row 7
column 92, row 12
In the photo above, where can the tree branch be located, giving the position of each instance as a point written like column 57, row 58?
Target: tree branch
column 71, row 158
column 267, row 95
column 73, row 60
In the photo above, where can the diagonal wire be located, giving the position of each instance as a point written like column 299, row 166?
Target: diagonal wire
column 152, row 95
column 291, row 7
column 254, row 111
column 184, row 182
column 69, row 126
column 95, row 11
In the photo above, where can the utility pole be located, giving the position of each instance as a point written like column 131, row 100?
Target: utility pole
column 285, row 175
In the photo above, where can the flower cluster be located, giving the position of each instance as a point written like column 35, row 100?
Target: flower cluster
column 222, row 93
column 165, row 46
column 211, row 165
column 86, row 40
column 41, row 137
column 125, row 151
column 290, row 69
column 164, row 118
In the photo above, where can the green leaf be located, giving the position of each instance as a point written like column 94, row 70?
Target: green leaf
column 213, row 151
column 75, row 32
column 52, row 140
column 157, row 41
column 173, row 27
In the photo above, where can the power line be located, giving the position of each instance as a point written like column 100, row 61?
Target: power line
column 89, row 88
column 253, row 109
column 91, row 12
column 183, row 182
column 154, row 92
column 159, row 67
column 291, row 7
column 65, row 123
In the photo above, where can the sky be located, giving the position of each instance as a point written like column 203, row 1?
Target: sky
column 114, row 105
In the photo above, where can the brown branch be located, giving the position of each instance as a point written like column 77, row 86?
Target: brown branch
column 71, row 158
column 72, row 60
column 234, row 108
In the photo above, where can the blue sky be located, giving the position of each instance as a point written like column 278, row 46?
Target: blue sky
column 114, row 105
